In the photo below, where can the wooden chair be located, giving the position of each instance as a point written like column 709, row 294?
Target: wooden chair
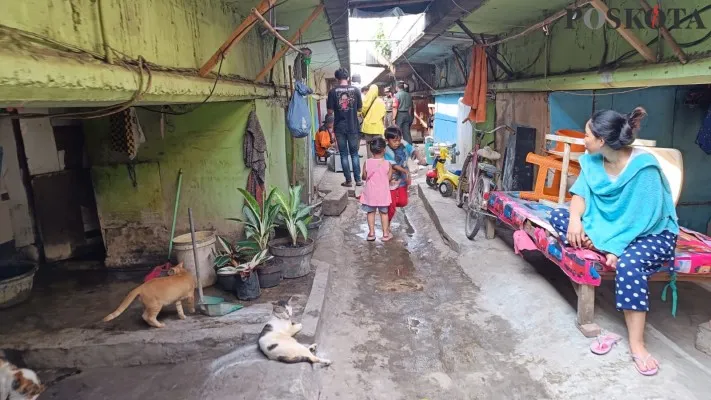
column 546, row 164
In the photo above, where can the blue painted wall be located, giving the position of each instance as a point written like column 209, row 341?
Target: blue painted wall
column 670, row 122
column 445, row 124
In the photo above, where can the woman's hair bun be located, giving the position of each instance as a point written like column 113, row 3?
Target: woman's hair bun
column 635, row 118
column 617, row 130
column 631, row 126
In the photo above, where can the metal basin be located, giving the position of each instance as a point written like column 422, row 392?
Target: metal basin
column 16, row 279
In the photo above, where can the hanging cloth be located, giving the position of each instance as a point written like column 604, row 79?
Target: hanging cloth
column 703, row 139
column 254, row 151
column 301, row 64
column 475, row 92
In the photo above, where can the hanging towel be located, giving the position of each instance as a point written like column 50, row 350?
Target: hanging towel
column 703, row 139
column 255, row 150
column 475, row 92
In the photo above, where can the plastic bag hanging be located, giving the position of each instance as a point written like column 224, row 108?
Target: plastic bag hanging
column 298, row 117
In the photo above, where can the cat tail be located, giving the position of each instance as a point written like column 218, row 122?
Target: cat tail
column 124, row 304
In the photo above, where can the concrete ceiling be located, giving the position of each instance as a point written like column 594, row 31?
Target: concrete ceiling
column 407, row 6
column 337, row 16
column 293, row 13
column 440, row 48
column 496, row 17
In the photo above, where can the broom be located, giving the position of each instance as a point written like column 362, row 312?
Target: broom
column 162, row 270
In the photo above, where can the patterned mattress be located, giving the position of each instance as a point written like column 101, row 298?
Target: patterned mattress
column 693, row 250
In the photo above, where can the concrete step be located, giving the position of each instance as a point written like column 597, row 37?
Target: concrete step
column 195, row 338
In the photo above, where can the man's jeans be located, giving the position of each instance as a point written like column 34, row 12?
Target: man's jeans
column 349, row 145
column 404, row 121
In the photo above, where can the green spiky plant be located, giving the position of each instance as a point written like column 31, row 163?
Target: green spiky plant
column 294, row 214
column 227, row 261
column 259, row 222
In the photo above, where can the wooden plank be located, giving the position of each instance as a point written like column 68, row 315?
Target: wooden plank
column 238, row 34
column 317, row 11
column 586, row 307
column 570, row 140
column 490, row 227
column 274, row 31
column 668, row 37
column 627, row 34
column 664, row 277
column 563, row 188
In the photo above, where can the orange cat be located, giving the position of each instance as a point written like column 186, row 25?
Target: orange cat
column 172, row 289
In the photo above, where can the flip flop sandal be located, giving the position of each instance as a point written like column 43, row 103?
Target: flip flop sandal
column 371, row 238
column 387, row 237
column 645, row 360
column 604, row 343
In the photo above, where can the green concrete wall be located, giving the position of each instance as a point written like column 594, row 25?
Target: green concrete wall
column 179, row 34
column 207, row 146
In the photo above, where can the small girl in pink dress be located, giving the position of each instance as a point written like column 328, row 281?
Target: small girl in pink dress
column 377, row 173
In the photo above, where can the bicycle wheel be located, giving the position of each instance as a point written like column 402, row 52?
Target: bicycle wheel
column 475, row 213
column 463, row 187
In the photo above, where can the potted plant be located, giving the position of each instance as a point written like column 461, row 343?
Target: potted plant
column 293, row 253
column 259, row 223
column 246, row 286
column 312, row 227
column 225, row 263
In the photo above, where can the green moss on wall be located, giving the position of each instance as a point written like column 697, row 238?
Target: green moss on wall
column 207, row 145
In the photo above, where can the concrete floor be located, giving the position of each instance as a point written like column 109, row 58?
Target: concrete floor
column 80, row 299
column 411, row 319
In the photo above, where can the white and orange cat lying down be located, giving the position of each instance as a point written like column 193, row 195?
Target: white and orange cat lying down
column 276, row 340
column 179, row 285
column 18, row 383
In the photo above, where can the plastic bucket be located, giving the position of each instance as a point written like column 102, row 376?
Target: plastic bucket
column 16, row 280
column 574, row 148
column 205, row 242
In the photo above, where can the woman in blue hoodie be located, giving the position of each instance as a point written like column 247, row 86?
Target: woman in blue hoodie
column 622, row 206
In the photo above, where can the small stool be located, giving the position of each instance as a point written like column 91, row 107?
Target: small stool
column 546, row 163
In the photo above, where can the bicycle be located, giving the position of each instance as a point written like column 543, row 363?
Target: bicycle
column 474, row 187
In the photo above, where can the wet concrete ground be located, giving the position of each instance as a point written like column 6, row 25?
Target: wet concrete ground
column 80, row 299
column 402, row 322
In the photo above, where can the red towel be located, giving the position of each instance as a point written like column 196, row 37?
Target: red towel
column 475, row 93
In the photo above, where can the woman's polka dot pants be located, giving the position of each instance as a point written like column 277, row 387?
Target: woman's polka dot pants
column 642, row 258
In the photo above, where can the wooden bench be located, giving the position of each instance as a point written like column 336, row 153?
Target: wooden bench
column 671, row 162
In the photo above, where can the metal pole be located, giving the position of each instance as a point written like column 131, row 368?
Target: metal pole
column 310, row 137
column 175, row 212
column 197, row 262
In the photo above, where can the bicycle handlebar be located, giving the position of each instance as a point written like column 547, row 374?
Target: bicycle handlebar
column 498, row 128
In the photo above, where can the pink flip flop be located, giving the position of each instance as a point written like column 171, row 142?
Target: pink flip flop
column 604, row 342
column 648, row 372
column 387, row 237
